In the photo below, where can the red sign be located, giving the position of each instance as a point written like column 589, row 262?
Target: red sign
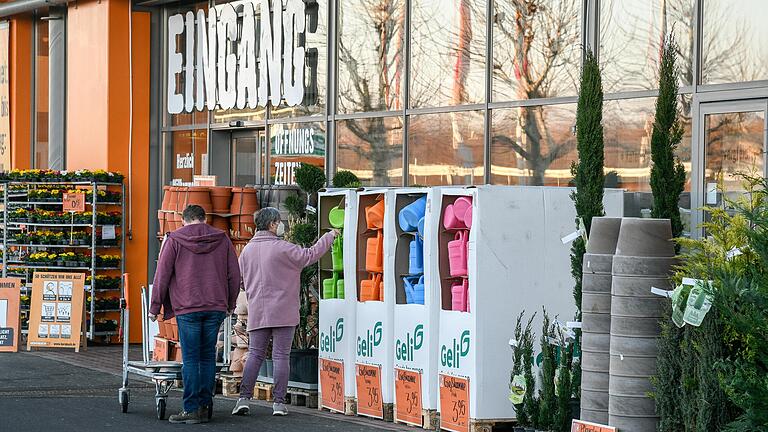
column 454, row 403
column 369, row 402
column 332, row 385
column 74, row 202
column 583, row 426
column 408, row 397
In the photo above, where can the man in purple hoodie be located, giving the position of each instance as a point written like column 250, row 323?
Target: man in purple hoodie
column 198, row 280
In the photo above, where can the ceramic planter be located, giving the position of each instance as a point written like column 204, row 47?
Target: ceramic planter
column 244, row 201
column 242, row 226
column 166, row 198
column 219, row 222
column 221, row 198
column 304, row 366
column 196, row 195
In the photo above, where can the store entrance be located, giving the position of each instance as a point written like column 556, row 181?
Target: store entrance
column 249, row 157
column 733, row 137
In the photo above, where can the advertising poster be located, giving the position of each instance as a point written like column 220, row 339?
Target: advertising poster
column 9, row 314
column 5, row 104
column 56, row 310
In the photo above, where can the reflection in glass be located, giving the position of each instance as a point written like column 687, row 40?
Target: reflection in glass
column 448, row 52
column 372, row 148
column 41, row 96
column 628, row 125
column 187, row 148
column 292, row 144
column 631, row 33
column 733, row 144
column 536, row 48
column 245, row 163
column 735, row 46
column 195, row 117
column 446, row 149
column 533, row 146
column 370, row 50
column 315, row 66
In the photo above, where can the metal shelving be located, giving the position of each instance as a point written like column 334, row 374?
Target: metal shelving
column 11, row 267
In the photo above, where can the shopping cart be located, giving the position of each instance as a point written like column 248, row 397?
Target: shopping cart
column 164, row 374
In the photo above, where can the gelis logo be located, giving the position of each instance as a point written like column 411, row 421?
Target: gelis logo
column 328, row 340
column 451, row 356
column 365, row 345
column 405, row 349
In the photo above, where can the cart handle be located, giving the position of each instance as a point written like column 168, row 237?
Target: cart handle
column 126, row 293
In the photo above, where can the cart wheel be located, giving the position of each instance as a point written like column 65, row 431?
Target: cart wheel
column 124, row 397
column 160, row 409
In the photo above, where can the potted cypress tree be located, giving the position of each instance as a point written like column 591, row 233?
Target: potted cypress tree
column 548, row 399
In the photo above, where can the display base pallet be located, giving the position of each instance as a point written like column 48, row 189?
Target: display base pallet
column 430, row 420
column 302, row 397
column 350, row 405
column 230, row 385
column 485, row 425
column 389, row 413
column 263, row 391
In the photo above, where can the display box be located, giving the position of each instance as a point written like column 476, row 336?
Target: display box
column 515, row 261
column 376, row 239
column 414, row 271
column 338, row 305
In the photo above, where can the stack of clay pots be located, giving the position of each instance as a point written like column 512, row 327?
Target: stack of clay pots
column 169, row 216
column 221, row 200
column 644, row 259
column 596, row 318
column 244, row 204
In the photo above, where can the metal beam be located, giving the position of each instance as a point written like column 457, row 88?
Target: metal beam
column 22, row 6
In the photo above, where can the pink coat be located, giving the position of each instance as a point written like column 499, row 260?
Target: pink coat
column 271, row 270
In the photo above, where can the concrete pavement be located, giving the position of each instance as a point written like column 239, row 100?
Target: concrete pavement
column 38, row 393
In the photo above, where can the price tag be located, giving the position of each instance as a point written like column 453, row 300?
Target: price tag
column 583, row 426
column 369, row 401
column 73, row 202
column 454, row 403
column 108, row 232
column 408, row 397
column 332, row 383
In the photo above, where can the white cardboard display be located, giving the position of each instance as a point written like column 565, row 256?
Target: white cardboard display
column 408, row 317
column 516, row 262
column 338, row 316
column 375, row 318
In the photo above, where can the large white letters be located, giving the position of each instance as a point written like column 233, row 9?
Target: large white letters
column 175, row 59
column 230, row 63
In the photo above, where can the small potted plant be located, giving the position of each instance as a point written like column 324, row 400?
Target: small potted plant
column 19, row 215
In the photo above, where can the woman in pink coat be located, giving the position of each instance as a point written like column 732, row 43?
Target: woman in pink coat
column 271, row 269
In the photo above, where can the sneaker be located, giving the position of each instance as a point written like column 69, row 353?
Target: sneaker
column 241, row 407
column 185, row 417
column 279, row 409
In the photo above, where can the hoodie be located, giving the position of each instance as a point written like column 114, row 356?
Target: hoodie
column 197, row 271
column 271, row 269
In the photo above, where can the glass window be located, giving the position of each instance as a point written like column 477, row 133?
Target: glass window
column 292, row 144
column 631, row 33
column 370, row 52
column 533, row 145
column 446, row 149
column 628, row 125
column 195, row 117
column 448, row 52
column 372, row 148
column 187, row 154
column 536, row 49
column 735, row 37
column 315, row 66
column 41, row 96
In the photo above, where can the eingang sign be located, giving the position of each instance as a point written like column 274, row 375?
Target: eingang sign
column 225, row 62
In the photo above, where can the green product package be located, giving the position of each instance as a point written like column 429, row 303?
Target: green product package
column 679, row 297
column 698, row 304
column 517, row 389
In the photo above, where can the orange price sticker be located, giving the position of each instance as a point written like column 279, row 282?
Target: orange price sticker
column 332, row 383
column 408, row 396
column 454, row 403
column 73, row 202
column 369, row 401
column 583, row 426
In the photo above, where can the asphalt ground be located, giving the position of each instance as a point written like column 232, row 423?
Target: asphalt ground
column 41, row 394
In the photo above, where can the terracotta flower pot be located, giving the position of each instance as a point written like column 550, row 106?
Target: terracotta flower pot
column 242, row 226
column 244, row 201
column 161, row 219
column 196, row 195
column 219, row 222
column 166, row 198
column 221, row 197
column 173, row 199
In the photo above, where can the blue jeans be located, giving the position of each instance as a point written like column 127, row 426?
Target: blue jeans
column 198, row 333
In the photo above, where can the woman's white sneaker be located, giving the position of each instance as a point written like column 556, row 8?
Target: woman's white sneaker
column 241, row 407
column 279, row 409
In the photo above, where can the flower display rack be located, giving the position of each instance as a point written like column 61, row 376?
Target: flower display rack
column 38, row 235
